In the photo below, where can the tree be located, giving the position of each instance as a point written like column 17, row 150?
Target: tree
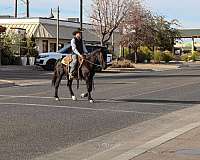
column 107, row 15
column 165, row 32
column 137, row 28
column 142, row 28
column 30, row 45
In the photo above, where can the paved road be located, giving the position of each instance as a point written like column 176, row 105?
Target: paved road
column 33, row 123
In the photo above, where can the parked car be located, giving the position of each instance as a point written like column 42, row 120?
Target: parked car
column 49, row 59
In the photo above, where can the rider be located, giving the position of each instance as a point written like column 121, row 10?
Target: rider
column 78, row 49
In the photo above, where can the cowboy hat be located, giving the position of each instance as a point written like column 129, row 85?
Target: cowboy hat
column 77, row 31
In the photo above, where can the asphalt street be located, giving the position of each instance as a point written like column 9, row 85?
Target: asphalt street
column 33, row 124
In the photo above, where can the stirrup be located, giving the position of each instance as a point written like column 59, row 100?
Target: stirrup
column 71, row 76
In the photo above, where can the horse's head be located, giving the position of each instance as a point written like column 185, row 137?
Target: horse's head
column 101, row 58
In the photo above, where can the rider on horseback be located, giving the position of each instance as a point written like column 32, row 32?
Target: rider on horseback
column 78, row 49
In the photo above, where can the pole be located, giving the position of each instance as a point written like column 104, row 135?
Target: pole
column 15, row 10
column 81, row 14
column 112, row 39
column 57, row 40
column 27, row 8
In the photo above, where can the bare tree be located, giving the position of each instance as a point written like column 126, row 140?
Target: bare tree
column 107, row 15
column 142, row 28
column 137, row 28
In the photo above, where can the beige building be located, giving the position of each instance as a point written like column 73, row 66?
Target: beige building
column 45, row 31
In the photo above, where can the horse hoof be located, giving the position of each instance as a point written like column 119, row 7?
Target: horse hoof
column 91, row 101
column 82, row 95
column 74, row 98
column 57, row 99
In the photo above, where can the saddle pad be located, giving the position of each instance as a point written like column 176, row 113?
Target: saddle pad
column 67, row 59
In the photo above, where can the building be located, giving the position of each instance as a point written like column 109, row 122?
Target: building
column 190, row 40
column 45, row 31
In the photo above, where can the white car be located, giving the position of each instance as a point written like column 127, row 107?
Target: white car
column 49, row 59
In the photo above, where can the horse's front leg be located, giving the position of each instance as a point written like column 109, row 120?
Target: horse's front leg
column 89, row 89
column 71, row 91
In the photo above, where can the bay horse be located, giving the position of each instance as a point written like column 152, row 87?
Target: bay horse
column 86, row 72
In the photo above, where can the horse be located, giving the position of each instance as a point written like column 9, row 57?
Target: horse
column 86, row 72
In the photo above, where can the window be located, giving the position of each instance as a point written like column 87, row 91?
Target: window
column 52, row 47
column 45, row 46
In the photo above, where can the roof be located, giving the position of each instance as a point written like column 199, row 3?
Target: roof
column 43, row 27
column 46, row 28
column 189, row 33
column 30, row 28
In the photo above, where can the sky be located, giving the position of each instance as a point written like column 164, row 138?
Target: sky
column 186, row 11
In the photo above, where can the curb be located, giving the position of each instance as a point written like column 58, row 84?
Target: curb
column 126, row 70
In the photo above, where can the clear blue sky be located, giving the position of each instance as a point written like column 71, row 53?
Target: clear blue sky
column 186, row 11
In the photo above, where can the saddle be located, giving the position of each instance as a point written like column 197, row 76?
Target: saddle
column 68, row 59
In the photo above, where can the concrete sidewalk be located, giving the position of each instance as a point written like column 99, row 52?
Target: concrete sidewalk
column 183, row 147
column 146, row 67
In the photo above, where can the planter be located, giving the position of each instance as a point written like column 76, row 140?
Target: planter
column 31, row 61
column 24, row 61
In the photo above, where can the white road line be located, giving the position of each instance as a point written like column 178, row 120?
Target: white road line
column 79, row 108
column 97, row 100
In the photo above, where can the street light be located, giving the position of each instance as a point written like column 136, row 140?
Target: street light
column 52, row 16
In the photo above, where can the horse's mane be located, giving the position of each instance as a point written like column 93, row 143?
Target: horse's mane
column 93, row 53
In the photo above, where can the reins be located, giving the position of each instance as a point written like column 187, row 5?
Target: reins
column 98, row 65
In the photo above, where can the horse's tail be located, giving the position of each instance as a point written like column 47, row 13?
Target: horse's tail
column 54, row 77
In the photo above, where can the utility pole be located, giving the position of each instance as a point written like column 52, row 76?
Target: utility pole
column 81, row 14
column 27, row 8
column 58, row 12
column 58, row 25
column 15, row 8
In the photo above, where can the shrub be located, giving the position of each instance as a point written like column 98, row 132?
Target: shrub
column 16, row 60
column 157, row 57
column 195, row 55
column 122, row 64
column 146, row 53
column 185, row 57
column 167, row 56
column 6, row 56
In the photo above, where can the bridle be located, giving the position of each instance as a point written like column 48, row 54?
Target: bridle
column 98, row 65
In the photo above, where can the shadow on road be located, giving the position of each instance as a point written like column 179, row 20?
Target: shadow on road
column 157, row 101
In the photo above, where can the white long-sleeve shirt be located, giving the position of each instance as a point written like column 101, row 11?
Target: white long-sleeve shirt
column 74, row 49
